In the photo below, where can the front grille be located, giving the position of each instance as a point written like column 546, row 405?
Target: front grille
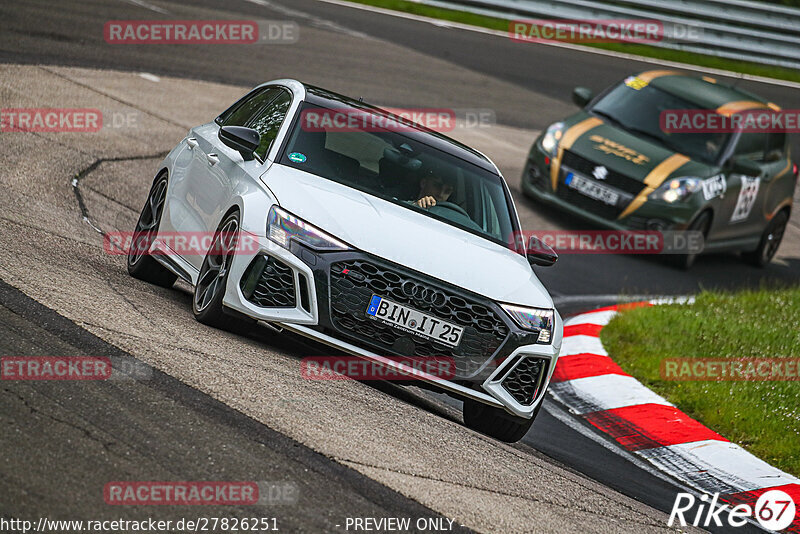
column 524, row 381
column 268, row 282
column 585, row 203
column 352, row 284
column 614, row 179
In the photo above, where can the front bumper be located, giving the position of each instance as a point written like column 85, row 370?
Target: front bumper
column 652, row 215
column 324, row 296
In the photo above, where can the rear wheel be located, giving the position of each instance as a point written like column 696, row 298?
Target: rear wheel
column 701, row 224
column 141, row 264
column 210, row 287
column 770, row 241
column 496, row 422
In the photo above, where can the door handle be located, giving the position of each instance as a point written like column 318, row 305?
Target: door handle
column 192, row 142
column 213, row 159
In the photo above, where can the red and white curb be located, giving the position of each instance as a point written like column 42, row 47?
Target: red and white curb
column 592, row 386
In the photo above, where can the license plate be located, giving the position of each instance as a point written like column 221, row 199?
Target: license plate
column 592, row 189
column 413, row 321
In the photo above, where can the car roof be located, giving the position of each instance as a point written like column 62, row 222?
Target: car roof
column 328, row 99
column 706, row 92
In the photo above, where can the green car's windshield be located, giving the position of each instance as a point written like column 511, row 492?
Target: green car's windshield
column 393, row 166
column 639, row 111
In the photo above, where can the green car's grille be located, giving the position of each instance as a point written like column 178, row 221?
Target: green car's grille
column 587, row 204
column 586, row 167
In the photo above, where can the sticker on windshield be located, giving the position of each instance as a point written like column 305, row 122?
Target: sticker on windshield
column 747, row 198
column 714, row 187
column 297, row 157
column 634, row 82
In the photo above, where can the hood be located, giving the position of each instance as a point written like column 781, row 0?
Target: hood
column 400, row 235
column 628, row 153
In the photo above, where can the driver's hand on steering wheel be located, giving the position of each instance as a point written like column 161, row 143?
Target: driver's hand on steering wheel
column 426, row 202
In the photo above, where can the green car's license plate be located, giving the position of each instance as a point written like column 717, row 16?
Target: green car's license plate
column 592, row 189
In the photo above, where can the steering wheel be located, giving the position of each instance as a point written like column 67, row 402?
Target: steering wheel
column 451, row 206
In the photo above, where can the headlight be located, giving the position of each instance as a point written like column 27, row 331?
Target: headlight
column 551, row 138
column 677, row 189
column 283, row 228
column 533, row 319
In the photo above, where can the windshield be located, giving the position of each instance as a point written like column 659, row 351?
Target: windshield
column 639, row 112
column 387, row 164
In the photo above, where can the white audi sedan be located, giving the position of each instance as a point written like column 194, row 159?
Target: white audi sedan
column 354, row 227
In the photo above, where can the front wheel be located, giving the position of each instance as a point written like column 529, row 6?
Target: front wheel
column 210, row 287
column 141, row 264
column 496, row 422
column 770, row 241
column 701, row 224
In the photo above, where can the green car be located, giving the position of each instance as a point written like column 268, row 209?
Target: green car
column 614, row 165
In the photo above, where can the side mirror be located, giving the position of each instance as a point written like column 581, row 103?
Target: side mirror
column 244, row 140
column 540, row 253
column 741, row 165
column 582, row 96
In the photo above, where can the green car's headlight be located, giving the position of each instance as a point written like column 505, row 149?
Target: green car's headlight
column 552, row 137
column 534, row 319
column 677, row 189
column 283, row 228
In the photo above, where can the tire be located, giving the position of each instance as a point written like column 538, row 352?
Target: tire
column 210, row 287
column 770, row 241
column 140, row 264
column 496, row 422
column 702, row 224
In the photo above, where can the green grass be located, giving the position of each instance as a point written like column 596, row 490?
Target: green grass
column 763, row 417
column 691, row 58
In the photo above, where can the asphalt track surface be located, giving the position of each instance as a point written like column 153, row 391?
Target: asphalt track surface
column 178, row 426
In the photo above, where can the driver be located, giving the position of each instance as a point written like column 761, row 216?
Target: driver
column 434, row 188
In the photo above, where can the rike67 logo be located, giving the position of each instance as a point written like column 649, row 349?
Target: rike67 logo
column 774, row 510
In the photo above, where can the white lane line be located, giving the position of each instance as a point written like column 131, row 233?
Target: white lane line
column 604, row 392
column 580, row 344
column 147, row 5
column 150, row 77
column 311, row 19
column 601, row 318
column 722, row 460
column 569, row 46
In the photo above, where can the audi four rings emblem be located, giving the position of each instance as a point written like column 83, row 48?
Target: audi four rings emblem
column 423, row 294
